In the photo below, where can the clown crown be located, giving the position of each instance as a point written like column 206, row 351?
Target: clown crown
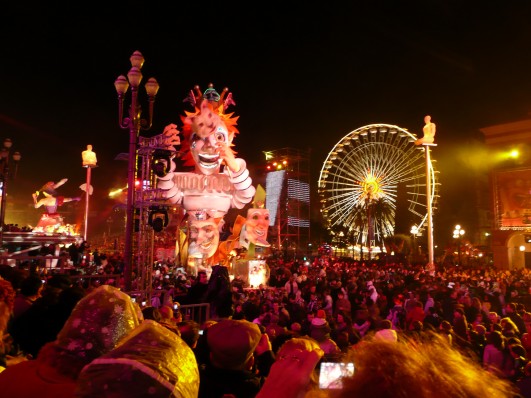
column 220, row 102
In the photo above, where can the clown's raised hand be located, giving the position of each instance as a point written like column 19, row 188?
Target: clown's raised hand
column 227, row 156
column 170, row 136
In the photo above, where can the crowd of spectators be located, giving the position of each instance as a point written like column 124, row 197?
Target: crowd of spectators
column 482, row 315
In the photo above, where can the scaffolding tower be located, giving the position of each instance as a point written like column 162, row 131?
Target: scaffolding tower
column 149, row 204
column 288, row 199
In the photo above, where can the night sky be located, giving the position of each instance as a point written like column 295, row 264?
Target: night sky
column 303, row 75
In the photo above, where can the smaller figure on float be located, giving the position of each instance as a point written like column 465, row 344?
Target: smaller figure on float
column 51, row 221
column 429, row 132
column 245, row 250
column 203, row 241
column 256, row 226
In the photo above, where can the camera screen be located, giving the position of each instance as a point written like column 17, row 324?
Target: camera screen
column 331, row 373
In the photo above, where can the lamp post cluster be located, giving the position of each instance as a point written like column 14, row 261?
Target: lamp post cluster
column 458, row 233
column 5, row 153
column 134, row 123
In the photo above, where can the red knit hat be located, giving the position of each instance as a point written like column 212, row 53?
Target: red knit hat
column 321, row 314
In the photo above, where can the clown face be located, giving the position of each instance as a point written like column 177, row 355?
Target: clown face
column 204, row 237
column 256, row 226
column 205, row 149
column 209, row 139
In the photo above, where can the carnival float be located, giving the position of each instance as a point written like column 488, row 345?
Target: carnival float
column 219, row 181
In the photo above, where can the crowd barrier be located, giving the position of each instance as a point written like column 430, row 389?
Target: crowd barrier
column 196, row 312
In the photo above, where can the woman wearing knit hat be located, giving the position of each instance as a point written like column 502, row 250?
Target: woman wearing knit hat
column 320, row 331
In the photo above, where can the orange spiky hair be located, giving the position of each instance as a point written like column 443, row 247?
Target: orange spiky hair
column 216, row 104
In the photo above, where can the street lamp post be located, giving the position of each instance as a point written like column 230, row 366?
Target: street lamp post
column 427, row 141
column 89, row 162
column 458, row 233
column 4, row 173
column 134, row 123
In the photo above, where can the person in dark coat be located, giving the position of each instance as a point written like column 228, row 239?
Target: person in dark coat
column 234, row 347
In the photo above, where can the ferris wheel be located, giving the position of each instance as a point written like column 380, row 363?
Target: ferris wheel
column 371, row 175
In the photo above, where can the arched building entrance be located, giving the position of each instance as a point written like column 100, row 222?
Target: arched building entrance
column 513, row 250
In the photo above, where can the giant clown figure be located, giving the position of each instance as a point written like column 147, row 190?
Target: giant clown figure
column 220, row 180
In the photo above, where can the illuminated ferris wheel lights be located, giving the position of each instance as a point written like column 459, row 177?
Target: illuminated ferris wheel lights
column 373, row 167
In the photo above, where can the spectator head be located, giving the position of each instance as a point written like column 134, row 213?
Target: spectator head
column 385, row 324
column 518, row 350
column 494, row 317
column 389, row 335
column 97, row 323
column 296, row 327
column 232, row 343
column 320, row 329
column 189, row 332
column 431, row 369
column 151, row 313
column 166, row 313
column 150, row 362
column 480, row 329
column 417, row 326
column 398, row 299
column 54, row 285
column 385, row 331
column 459, row 312
column 508, row 326
column 446, row 327
column 496, row 339
column 202, row 277
column 31, row 286
column 510, row 308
